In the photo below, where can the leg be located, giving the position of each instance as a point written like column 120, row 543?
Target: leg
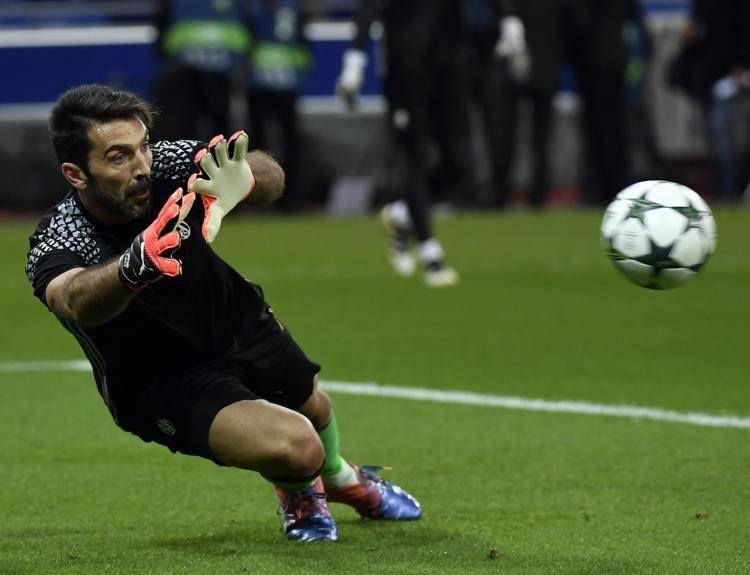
column 291, row 149
column 273, row 440
column 270, row 437
column 542, row 102
column 450, row 121
column 283, row 446
column 411, row 213
column 407, row 99
column 500, row 105
column 606, row 150
column 267, row 433
column 336, row 471
column 317, row 409
column 612, row 138
column 358, row 487
column 411, row 125
column 720, row 117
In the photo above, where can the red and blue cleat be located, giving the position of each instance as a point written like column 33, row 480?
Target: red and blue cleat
column 305, row 514
column 376, row 498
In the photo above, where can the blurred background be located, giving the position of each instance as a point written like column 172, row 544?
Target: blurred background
column 631, row 91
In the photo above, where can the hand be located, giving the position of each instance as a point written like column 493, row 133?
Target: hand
column 230, row 180
column 149, row 257
column 512, row 39
column 349, row 82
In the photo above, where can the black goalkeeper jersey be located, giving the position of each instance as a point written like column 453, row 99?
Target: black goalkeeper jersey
column 173, row 324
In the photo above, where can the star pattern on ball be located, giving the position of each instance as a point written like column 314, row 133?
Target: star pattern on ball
column 639, row 207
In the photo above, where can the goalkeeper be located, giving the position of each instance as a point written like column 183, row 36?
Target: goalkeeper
column 185, row 352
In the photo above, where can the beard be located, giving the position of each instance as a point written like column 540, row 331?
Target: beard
column 127, row 204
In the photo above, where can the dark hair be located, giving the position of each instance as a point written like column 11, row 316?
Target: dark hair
column 78, row 109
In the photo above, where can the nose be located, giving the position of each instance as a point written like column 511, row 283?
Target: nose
column 142, row 166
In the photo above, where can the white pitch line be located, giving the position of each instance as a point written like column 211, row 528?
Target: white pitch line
column 508, row 402
column 461, row 397
column 24, row 366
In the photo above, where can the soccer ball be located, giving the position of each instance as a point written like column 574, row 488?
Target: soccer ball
column 658, row 234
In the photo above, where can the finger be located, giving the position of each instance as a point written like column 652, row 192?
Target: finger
column 171, row 267
column 169, row 211
column 199, row 156
column 167, row 242
column 191, row 182
column 208, row 165
column 215, row 140
column 200, row 186
column 219, row 150
column 174, row 197
column 187, row 204
column 211, row 226
column 240, row 143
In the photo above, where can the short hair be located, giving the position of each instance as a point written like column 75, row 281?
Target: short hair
column 78, row 109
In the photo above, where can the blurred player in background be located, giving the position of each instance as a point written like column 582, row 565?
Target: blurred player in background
column 720, row 30
column 521, row 63
column 600, row 54
column 421, row 40
column 279, row 59
column 184, row 350
column 203, row 45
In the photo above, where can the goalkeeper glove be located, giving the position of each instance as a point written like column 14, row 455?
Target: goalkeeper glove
column 512, row 39
column 230, row 179
column 149, row 257
column 511, row 44
column 349, row 82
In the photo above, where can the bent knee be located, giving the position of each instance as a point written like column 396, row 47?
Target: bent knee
column 299, row 452
column 271, row 439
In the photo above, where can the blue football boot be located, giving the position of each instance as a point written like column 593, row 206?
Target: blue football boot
column 305, row 514
column 374, row 497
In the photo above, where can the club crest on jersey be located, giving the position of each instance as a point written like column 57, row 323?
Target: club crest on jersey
column 166, row 427
column 184, row 230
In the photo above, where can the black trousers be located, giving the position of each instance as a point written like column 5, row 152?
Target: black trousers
column 607, row 149
column 408, row 103
column 501, row 105
column 428, row 104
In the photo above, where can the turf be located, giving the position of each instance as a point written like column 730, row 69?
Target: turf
column 540, row 313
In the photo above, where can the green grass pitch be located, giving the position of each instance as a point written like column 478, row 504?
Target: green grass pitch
column 540, row 314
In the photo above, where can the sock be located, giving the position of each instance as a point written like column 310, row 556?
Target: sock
column 400, row 213
column 431, row 251
column 336, row 471
column 292, row 486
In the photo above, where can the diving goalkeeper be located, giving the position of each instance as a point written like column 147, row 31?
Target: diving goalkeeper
column 185, row 351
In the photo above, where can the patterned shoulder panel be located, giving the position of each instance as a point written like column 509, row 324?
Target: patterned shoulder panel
column 173, row 161
column 65, row 229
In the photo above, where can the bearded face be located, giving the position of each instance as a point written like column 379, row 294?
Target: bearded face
column 116, row 187
column 131, row 203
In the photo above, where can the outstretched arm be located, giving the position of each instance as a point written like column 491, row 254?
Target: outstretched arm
column 95, row 295
column 89, row 296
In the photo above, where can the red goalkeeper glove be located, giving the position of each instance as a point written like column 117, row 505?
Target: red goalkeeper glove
column 149, row 257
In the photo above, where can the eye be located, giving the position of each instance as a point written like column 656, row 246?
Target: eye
column 119, row 158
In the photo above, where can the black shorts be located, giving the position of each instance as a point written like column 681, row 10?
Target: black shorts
column 178, row 412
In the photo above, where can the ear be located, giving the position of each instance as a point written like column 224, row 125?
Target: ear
column 75, row 175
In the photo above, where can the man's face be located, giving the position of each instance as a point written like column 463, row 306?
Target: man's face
column 119, row 183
